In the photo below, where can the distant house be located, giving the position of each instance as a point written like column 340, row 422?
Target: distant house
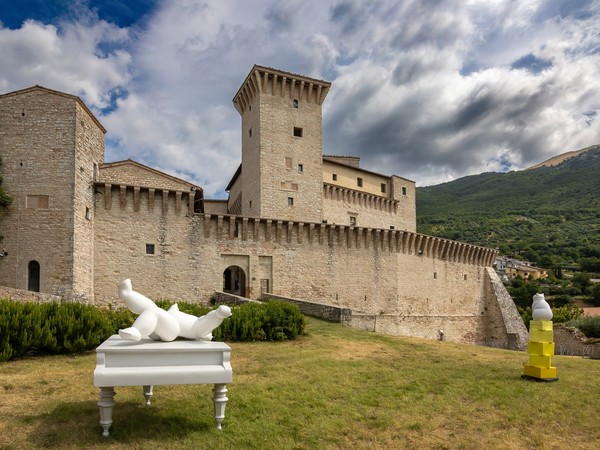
column 509, row 268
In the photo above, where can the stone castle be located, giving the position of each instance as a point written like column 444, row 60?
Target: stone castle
column 318, row 230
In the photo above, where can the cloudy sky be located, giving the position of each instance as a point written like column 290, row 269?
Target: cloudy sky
column 430, row 90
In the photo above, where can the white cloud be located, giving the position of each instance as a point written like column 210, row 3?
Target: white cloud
column 66, row 58
column 422, row 89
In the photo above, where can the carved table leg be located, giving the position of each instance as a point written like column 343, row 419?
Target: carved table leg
column 106, row 404
column 220, row 401
column 147, row 394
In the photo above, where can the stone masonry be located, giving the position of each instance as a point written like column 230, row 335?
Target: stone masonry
column 78, row 226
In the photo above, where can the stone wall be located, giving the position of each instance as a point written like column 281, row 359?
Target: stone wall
column 54, row 143
column 135, row 174
column 224, row 298
column 414, row 284
column 367, row 210
column 281, row 174
column 572, row 342
column 21, row 295
column 321, row 310
column 89, row 154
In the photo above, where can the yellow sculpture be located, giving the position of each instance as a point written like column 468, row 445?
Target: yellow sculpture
column 541, row 345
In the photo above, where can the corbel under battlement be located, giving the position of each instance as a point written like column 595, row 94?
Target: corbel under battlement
column 364, row 199
column 284, row 232
column 143, row 199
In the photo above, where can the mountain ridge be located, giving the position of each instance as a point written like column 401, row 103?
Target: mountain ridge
column 556, row 160
column 546, row 213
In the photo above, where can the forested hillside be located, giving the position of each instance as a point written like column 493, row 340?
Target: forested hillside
column 548, row 215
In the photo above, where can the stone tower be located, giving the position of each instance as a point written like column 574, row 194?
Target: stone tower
column 51, row 146
column 281, row 173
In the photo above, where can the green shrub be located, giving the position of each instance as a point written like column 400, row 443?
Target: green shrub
column 270, row 321
column 566, row 313
column 119, row 318
column 525, row 315
column 45, row 328
column 560, row 300
column 559, row 315
column 589, row 325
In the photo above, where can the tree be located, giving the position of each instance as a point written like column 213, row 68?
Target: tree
column 596, row 294
column 583, row 281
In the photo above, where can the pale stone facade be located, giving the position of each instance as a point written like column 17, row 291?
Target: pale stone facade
column 51, row 148
column 89, row 224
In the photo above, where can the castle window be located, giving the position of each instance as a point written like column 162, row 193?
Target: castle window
column 250, row 204
column 434, row 275
column 383, row 188
column 250, row 132
column 465, row 277
column 352, row 221
column 359, row 181
column 334, row 176
column 392, row 227
column 290, row 201
column 149, row 249
column 297, row 132
column 88, row 213
column 33, row 276
column 403, row 191
column 295, row 103
column 300, row 168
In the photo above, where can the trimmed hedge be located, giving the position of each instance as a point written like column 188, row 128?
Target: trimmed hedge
column 53, row 328
column 47, row 328
column 273, row 320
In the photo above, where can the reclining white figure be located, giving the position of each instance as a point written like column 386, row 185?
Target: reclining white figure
column 158, row 324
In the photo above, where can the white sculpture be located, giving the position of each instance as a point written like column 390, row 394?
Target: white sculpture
column 158, row 324
column 540, row 309
column 193, row 327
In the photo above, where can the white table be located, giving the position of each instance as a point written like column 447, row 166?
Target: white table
column 148, row 363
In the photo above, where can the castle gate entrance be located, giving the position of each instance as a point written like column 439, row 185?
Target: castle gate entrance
column 234, row 281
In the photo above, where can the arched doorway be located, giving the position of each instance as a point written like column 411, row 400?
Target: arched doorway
column 33, row 276
column 234, row 281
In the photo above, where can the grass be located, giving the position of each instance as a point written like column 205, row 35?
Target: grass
column 337, row 387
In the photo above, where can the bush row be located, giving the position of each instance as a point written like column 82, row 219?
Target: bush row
column 46, row 328
column 589, row 325
column 52, row 328
column 562, row 314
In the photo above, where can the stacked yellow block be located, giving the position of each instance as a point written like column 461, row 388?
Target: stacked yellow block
column 540, row 349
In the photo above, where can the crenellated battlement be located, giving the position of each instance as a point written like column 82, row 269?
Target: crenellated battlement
column 291, row 232
column 279, row 83
column 363, row 199
column 144, row 199
column 181, row 203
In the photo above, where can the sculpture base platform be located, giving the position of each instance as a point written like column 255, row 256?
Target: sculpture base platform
column 148, row 363
column 541, row 380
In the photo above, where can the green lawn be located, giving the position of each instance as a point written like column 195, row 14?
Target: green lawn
column 337, row 387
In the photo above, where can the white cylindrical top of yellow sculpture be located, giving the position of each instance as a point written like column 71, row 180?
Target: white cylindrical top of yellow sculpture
column 540, row 309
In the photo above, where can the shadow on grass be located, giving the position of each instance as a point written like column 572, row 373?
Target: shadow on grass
column 77, row 425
